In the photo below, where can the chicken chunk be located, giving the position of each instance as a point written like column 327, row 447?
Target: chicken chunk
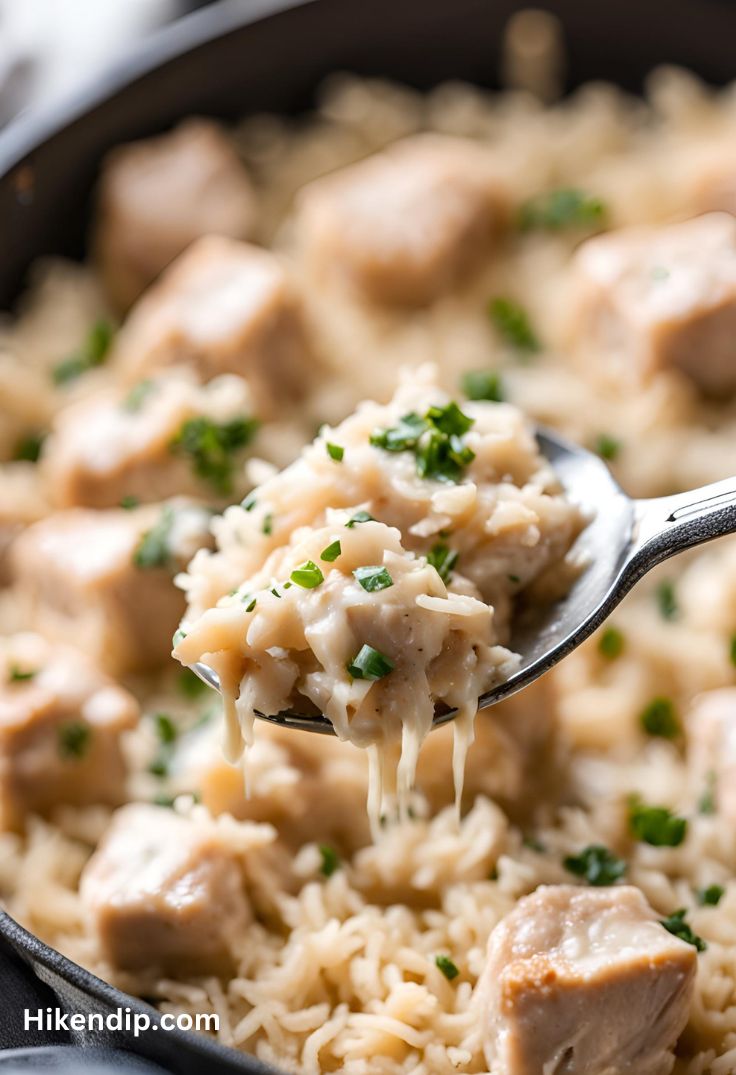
column 166, row 892
column 21, row 502
column 711, row 730
column 157, row 196
column 61, row 721
column 584, row 981
column 164, row 436
column 405, row 225
column 222, row 307
column 105, row 579
column 664, row 298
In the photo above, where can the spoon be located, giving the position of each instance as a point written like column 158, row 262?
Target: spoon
column 624, row 539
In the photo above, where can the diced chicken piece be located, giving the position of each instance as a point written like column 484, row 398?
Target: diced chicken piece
column 21, row 503
column 663, row 298
column 287, row 775
column 222, row 307
column 585, row 981
column 105, row 579
column 60, row 725
column 166, row 892
column 405, row 225
column 711, row 731
column 158, row 195
column 164, row 436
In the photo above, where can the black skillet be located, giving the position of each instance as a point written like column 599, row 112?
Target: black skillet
column 229, row 59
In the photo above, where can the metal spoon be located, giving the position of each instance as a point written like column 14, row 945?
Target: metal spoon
column 624, row 540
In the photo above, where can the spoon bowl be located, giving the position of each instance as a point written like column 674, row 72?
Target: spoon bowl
column 623, row 540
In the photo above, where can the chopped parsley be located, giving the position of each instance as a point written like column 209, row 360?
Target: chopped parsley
column 667, row 600
column 732, row 650
column 335, row 451
column 251, row 604
column 707, row 801
column 606, row 446
column 93, row 352
column 129, row 502
column 211, row 446
column 267, row 527
column 435, row 440
column 676, row 924
column 28, row 448
column 443, row 559
column 556, row 210
column 307, row 575
column 448, row 968
column 596, row 864
column 513, row 324
column 330, row 860
column 74, row 739
column 153, row 549
column 660, row 719
column 190, row 685
column 179, row 636
column 331, row 553
column 166, row 729
column 483, row 385
column 137, row 396
column 249, row 502
column 373, row 578
column 21, row 675
column 359, row 517
column 611, row 643
column 711, row 896
column 656, row 825
column 369, row 663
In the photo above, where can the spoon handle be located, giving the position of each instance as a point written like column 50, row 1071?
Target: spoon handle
column 667, row 525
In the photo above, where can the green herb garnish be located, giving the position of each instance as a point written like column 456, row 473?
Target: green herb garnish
column 28, row 448
column 211, row 446
column 74, row 739
column 732, row 650
column 153, row 549
column 330, row 860
column 611, row 643
column 606, row 446
column 267, row 526
column 249, row 502
column 369, row 663
column 190, row 685
column 307, row 575
column 359, row 517
column 667, row 600
column 179, row 635
column 596, row 864
column 251, row 604
column 373, row 579
column 137, row 396
column 93, row 352
column 711, row 896
column 660, row 719
column 483, row 385
column 707, row 801
column 443, row 559
column 656, row 825
column 335, row 451
column 166, row 729
column 129, row 502
column 556, row 210
column 513, row 324
column 448, row 968
column 435, row 440
column 676, row 924
column 331, row 553
column 21, row 675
